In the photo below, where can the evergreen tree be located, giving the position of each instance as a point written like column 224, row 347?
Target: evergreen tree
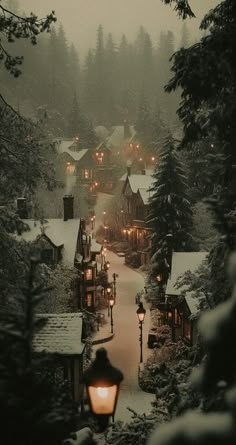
column 39, row 408
column 143, row 121
column 80, row 126
column 169, row 209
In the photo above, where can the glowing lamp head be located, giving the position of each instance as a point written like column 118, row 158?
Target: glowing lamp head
column 158, row 277
column 77, row 138
column 102, row 381
column 152, row 158
column 108, row 291
column 169, row 315
column 141, row 313
column 111, row 301
column 140, row 159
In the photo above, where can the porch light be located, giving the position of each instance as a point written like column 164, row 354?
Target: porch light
column 102, row 382
column 141, row 313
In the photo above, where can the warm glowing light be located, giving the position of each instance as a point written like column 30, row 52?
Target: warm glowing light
column 130, row 145
column 77, row 138
column 97, row 154
column 153, row 159
column 102, row 392
column 140, row 159
column 124, row 230
column 137, row 146
column 169, row 314
column 212, row 145
column 96, row 184
column 103, row 399
column 104, row 212
column 118, row 152
column 158, row 278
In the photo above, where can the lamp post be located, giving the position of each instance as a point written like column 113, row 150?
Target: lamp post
column 141, row 315
column 102, row 382
column 111, row 303
column 109, row 290
column 114, row 276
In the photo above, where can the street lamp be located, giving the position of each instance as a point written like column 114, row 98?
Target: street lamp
column 109, row 290
column 141, row 315
column 111, row 303
column 102, row 382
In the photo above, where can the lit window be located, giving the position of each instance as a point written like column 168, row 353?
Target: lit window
column 187, row 329
column 89, row 300
column 97, row 154
column 70, row 168
column 89, row 274
column 100, row 160
column 86, row 173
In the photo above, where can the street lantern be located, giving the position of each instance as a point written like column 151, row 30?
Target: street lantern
column 109, row 290
column 141, row 313
column 111, row 300
column 102, row 382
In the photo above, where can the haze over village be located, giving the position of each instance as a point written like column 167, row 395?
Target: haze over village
column 117, row 222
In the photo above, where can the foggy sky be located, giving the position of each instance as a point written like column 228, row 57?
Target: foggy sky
column 80, row 18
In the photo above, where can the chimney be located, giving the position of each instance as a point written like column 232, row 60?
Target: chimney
column 126, row 129
column 22, row 210
column 128, row 167
column 68, row 201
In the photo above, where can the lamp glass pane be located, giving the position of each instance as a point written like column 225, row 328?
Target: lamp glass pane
column 102, row 399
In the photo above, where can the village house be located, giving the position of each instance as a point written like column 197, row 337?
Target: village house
column 135, row 198
column 181, row 307
column 76, row 161
column 62, row 337
column 65, row 241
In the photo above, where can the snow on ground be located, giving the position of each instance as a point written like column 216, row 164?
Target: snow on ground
column 124, row 349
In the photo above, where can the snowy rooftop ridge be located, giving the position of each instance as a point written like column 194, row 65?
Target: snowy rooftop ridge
column 62, row 334
column 65, row 146
column 116, row 139
column 59, row 232
column 143, row 182
column 181, row 263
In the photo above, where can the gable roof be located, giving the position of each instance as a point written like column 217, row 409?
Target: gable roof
column 116, row 139
column 181, row 263
column 61, row 334
column 193, row 302
column 59, row 232
column 65, row 146
column 145, row 195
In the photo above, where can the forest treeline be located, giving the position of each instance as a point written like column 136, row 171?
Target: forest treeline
column 114, row 80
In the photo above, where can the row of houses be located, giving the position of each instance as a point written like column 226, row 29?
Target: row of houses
column 65, row 240
column 178, row 307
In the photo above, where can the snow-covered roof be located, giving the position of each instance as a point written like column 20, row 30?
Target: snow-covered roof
column 102, row 132
column 62, row 334
column 140, row 182
column 116, row 138
column 181, row 263
column 59, row 232
column 67, row 147
column 145, row 195
column 95, row 247
column 192, row 302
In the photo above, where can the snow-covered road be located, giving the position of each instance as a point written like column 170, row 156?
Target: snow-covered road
column 124, row 349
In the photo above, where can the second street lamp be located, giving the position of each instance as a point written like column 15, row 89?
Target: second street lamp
column 111, row 303
column 141, row 315
column 109, row 290
column 102, row 381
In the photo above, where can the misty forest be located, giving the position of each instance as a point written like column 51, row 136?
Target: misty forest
column 118, row 229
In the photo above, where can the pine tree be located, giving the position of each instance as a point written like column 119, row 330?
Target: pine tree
column 143, row 120
column 169, row 208
column 39, row 409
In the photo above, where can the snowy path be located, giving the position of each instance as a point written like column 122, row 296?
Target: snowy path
column 124, row 349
